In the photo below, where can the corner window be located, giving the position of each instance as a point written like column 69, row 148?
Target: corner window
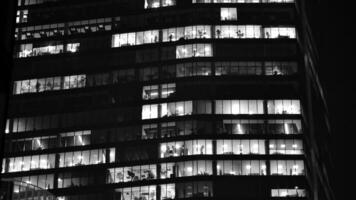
column 283, row 107
column 279, row 32
column 287, row 167
column 290, row 147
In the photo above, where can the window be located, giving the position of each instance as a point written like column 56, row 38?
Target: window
column 293, row 147
column 284, row 126
column 227, row 14
column 168, row 191
column 78, row 138
column 148, row 73
column 38, row 143
column 132, row 173
column 88, row 157
column 180, row 128
column 159, row 3
column 243, row 1
column 186, row 148
column 295, row 192
column 167, row 109
column 187, row 168
column 158, row 91
column 230, row 147
column 42, row 181
column 135, row 38
column 194, row 189
column 176, row 108
column 279, row 32
column 49, row 84
column 287, row 167
column 78, row 178
column 133, row 193
column 28, row 163
column 21, row 16
column 238, row 68
column 233, row 31
column 193, row 50
column 73, row 47
column 238, row 167
column 228, row 126
column 236, row 107
column 281, row 68
column 185, row 33
column 150, row 111
column 283, row 107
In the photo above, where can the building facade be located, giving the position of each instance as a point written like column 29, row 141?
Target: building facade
column 166, row 99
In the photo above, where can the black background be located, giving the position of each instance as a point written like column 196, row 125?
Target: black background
column 335, row 30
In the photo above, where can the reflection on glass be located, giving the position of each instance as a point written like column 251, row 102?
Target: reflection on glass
column 234, row 126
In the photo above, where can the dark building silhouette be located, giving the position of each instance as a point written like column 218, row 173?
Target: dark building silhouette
column 167, row 99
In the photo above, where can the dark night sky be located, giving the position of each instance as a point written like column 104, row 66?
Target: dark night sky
column 334, row 72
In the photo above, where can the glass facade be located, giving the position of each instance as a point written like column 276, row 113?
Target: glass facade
column 159, row 100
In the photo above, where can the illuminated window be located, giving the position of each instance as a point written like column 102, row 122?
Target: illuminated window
column 238, row 167
column 34, row 162
column 292, row 147
column 295, row 192
column 135, row 38
column 168, row 191
column 284, row 126
column 159, row 3
column 143, row 192
column 88, row 157
column 186, row 148
column 132, row 173
column 283, row 107
column 287, row 167
column 233, row 31
column 194, row 50
column 230, row 147
column 158, row 91
column 185, row 33
column 78, row 138
column 228, row 14
column 279, row 32
column 187, row 168
column 239, row 107
column 73, row 47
